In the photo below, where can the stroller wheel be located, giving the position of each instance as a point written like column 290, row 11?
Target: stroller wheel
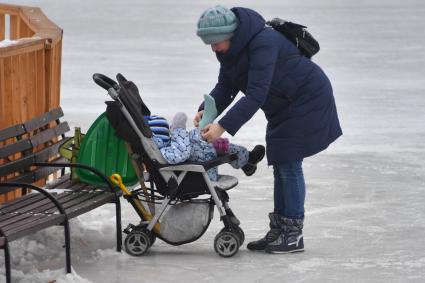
column 238, row 230
column 137, row 242
column 226, row 243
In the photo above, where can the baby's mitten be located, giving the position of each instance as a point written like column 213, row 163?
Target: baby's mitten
column 210, row 111
column 221, row 146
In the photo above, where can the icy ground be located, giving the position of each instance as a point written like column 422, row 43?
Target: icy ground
column 365, row 203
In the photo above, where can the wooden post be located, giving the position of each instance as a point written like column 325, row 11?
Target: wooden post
column 2, row 26
column 30, row 68
column 2, row 105
column 40, row 67
column 14, row 27
column 3, row 97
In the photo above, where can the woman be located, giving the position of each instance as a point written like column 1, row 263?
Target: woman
column 295, row 96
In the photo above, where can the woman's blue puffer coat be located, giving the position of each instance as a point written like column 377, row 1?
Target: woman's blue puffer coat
column 294, row 93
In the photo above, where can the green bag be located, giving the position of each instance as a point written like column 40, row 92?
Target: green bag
column 101, row 149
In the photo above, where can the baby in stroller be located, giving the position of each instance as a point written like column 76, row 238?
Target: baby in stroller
column 178, row 145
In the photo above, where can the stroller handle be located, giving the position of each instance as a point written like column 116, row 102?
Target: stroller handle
column 104, row 81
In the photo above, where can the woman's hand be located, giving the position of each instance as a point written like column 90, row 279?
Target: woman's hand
column 198, row 118
column 211, row 132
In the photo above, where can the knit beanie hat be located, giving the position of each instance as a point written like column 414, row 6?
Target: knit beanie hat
column 159, row 127
column 216, row 25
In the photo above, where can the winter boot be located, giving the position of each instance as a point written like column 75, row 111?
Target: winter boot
column 271, row 235
column 290, row 239
column 255, row 156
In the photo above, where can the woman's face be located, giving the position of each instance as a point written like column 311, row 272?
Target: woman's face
column 221, row 47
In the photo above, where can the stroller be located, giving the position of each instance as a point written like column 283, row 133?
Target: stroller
column 178, row 205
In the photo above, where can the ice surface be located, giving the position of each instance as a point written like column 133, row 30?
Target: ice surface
column 365, row 203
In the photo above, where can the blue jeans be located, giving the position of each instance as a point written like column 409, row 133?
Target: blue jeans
column 289, row 189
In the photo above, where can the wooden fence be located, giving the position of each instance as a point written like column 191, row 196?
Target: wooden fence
column 30, row 67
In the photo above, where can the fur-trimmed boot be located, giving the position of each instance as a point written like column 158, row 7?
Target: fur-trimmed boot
column 290, row 239
column 272, row 234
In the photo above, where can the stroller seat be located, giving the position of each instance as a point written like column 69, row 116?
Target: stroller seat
column 224, row 182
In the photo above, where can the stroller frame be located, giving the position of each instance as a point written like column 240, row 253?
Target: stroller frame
column 230, row 238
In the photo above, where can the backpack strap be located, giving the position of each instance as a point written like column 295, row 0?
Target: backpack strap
column 290, row 57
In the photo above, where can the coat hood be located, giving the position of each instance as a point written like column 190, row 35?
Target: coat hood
column 249, row 24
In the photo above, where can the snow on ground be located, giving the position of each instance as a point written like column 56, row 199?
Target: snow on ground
column 364, row 210
column 7, row 42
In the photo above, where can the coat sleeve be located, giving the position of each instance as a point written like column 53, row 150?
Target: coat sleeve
column 262, row 61
column 223, row 93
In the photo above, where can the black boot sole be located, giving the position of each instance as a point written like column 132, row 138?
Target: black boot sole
column 285, row 252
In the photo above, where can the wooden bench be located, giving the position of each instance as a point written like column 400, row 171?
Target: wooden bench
column 29, row 154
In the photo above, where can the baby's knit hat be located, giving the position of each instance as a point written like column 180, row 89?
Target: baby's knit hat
column 216, row 25
column 179, row 121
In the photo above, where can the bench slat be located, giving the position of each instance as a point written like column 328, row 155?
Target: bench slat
column 87, row 206
column 44, row 171
column 73, row 186
column 34, row 206
column 18, row 218
column 54, row 184
column 49, row 134
column 64, row 183
column 16, row 165
column 13, row 131
column 77, row 203
column 24, row 222
column 15, row 147
column 43, row 120
column 46, row 153
column 35, row 226
column 79, row 198
column 21, row 201
column 70, row 202
column 28, row 200
column 66, row 199
column 27, row 178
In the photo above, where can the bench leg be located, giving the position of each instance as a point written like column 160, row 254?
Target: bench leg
column 7, row 262
column 67, row 246
column 118, row 224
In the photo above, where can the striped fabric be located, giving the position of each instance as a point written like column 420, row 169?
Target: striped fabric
column 159, row 127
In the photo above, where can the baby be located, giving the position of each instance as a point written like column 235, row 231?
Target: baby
column 179, row 145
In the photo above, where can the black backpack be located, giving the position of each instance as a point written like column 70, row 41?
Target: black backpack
column 298, row 35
